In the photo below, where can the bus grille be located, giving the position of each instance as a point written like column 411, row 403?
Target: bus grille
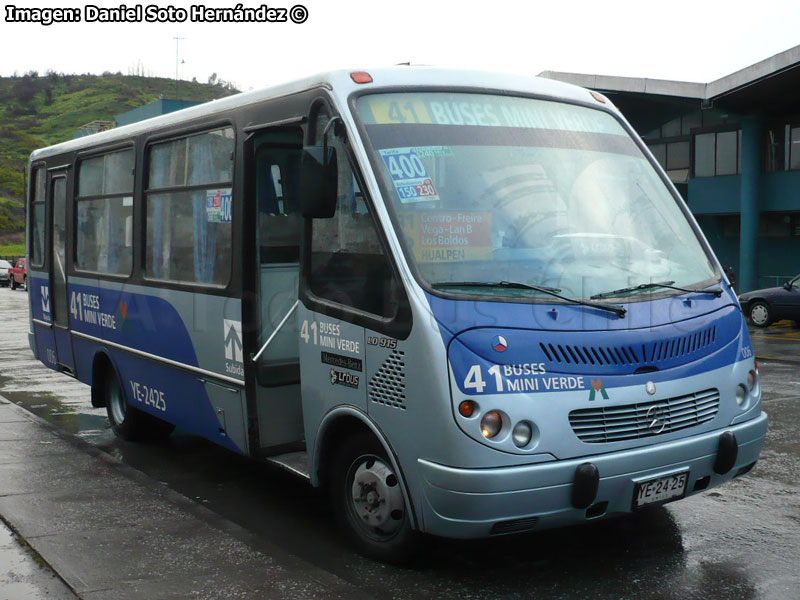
column 644, row 419
column 634, row 354
column 387, row 386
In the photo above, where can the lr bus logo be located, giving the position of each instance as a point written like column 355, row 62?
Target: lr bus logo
column 233, row 340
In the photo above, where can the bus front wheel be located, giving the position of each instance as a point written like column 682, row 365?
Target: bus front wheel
column 369, row 501
column 128, row 422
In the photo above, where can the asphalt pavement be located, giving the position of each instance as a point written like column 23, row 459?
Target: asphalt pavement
column 185, row 519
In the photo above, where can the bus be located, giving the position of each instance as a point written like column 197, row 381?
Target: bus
column 466, row 304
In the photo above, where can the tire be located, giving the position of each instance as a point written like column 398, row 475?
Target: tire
column 25, row 282
column 128, row 422
column 13, row 284
column 760, row 314
column 366, row 494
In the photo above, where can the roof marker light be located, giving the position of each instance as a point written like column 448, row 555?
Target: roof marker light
column 598, row 97
column 361, row 77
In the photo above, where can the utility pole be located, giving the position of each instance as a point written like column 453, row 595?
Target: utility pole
column 177, row 41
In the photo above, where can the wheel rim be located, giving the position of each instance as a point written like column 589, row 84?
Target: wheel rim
column 759, row 314
column 375, row 498
column 116, row 402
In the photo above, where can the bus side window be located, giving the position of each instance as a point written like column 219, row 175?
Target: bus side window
column 189, row 208
column 104, row 204
column 348, row 265
column 37, row 217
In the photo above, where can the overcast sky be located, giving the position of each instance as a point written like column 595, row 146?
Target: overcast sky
column 682, row 40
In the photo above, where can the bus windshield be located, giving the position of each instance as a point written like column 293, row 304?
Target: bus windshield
column 493, row 190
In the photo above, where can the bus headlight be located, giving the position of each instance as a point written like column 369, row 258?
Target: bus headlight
column 522, row 434
column 491, row 424
column 741, row 395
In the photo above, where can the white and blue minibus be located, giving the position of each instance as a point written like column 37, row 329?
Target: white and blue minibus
column 468, row 304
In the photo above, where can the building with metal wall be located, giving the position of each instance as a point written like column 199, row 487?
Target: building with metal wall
column 161, row 106
column 732, row 148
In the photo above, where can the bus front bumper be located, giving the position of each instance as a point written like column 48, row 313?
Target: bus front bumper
column 473, row 503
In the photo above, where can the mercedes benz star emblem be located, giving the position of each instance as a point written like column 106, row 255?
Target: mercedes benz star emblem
column 657, row 418
column 650, row 387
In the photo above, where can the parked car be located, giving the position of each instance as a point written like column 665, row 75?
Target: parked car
column 5, row 279
column 766, row 306
column 19, row 275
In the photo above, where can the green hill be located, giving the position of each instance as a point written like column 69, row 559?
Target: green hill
column 39, row 111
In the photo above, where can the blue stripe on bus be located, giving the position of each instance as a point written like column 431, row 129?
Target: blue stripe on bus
column 140, row 321
column 143, row 322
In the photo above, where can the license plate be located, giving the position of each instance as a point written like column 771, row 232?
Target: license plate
column 660, row 489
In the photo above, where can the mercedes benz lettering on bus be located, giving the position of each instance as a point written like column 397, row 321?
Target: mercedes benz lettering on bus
column 469, row 304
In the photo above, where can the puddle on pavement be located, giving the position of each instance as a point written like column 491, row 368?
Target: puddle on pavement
column 88, row 423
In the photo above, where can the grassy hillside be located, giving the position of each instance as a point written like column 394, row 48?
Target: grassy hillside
column 39, row 111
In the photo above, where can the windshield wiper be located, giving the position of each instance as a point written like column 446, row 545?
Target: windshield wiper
column 646, row 286
column 615, row 308
column 501, row 284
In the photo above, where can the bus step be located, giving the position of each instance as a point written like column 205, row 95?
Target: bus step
column 294, row 462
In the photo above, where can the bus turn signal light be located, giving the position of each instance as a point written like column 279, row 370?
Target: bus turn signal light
column 361, row 77
column 466, row 408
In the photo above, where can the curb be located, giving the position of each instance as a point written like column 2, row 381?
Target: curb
column 329, row 581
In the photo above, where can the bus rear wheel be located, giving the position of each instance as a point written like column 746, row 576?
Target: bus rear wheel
column 369, row 502
column 128, row 422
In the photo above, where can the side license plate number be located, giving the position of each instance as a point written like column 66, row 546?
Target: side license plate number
column 660, row 489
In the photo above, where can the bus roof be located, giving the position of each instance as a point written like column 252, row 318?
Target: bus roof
column 341, row 86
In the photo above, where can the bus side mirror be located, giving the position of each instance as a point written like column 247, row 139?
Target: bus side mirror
column 318, row 181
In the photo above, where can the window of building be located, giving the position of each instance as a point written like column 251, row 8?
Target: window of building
column 678, row 155
column 717, row 153
column 660, row 153
column 775, row 225
column 726, row 153
column 796, row 225
column 104, row 231
column 190, row 208
column 674, row 158
column 794, row 148
column 38, row 212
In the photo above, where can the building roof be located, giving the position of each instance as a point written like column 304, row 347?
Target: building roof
column 771, row 86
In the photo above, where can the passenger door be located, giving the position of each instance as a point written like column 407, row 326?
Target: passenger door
column 58, row 272
column 275, row 154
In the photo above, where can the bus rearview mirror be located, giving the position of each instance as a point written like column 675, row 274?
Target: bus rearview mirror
column 318, row 182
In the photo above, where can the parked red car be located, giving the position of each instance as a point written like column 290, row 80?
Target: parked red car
column 18, row 275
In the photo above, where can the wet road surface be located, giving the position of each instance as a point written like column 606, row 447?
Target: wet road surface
column 740, row 541
column 22, row 574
